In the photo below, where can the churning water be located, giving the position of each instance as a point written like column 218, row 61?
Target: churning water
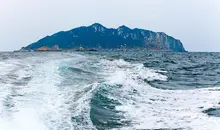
column 109, row 90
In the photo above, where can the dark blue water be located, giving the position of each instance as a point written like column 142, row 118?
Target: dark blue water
column 109, row 90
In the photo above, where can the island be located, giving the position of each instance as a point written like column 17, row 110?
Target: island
column 97, row 37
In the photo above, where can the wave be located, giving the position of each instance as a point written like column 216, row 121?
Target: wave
column 126, row 101
column 61, row 91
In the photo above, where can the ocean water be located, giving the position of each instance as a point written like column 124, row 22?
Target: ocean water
column 109, row 90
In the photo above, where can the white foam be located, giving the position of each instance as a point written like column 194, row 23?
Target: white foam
column 24, row 119
column 118, row 77
column 45, row 106
column 152, row 108
column 42, row 105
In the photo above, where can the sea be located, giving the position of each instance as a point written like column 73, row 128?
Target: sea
column 109, row 90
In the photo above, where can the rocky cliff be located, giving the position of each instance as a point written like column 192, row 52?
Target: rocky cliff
column 100, row 37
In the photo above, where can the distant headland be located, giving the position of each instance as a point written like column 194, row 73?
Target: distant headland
column 98, row 37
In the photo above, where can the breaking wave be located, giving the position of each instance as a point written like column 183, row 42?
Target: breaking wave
column 66, row 91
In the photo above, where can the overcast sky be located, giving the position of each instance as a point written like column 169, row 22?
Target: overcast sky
column 195, row 22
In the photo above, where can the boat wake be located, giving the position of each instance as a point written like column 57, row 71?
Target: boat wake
column 64, row 91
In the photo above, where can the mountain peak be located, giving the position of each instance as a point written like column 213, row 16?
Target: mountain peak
column 96, row 35
column 123, row 27
column 97, row 25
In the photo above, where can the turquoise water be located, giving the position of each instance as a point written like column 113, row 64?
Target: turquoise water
column 109, row 90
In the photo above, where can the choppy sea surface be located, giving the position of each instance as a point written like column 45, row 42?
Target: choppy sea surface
column 109, row 90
